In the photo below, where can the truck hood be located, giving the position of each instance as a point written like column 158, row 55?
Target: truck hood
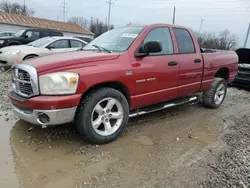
column 66, row 59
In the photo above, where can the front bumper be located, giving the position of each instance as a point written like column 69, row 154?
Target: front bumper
column 58, row 109
column 9, row 60
column 55, row 117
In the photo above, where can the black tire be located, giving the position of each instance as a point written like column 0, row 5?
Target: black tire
column 209, row 96
column 84, row 115
column 29, row 57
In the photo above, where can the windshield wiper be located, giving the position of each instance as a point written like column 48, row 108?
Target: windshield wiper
column 101, row 49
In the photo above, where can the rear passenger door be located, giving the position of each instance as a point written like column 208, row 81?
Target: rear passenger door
column 190, row 63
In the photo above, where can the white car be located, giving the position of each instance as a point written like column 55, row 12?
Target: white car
column 41, row 47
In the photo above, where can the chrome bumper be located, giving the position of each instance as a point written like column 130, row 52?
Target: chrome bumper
column 56, row 117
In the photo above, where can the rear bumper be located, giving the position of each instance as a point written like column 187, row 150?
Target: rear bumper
column 54, row 117
column 58, row 109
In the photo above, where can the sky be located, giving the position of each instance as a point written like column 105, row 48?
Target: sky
column 218, row 15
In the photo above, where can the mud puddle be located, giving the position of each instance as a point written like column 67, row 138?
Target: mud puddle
column 170, row 148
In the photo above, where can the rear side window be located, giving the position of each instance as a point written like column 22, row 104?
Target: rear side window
column 76, row 44
column 55, row 33
column 60, row 44
column 162, row 35
column 184, row 41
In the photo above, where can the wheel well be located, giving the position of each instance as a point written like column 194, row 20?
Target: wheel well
column 30, row 55
column 223, row 73
column 115, row 85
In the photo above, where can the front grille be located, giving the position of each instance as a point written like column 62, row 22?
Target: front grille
column 3, row 62
column 24, row 75
column 22, row 83
column 242, row 68
column 245, row 75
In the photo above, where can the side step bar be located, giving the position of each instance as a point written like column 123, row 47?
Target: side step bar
column 161, row 106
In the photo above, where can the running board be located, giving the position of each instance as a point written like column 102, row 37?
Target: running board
column 161, row 106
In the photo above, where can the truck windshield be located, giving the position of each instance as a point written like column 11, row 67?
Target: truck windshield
column 116, row 40
column 19, row 33
column 41, row 42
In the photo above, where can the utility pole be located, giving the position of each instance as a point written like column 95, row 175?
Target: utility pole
column 24, row 7
column 248, row 31
column 109, row 2
column 174, row 16
column 64, row 6
column 202, row 20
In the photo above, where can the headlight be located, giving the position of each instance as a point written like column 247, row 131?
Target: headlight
column 60, row 83
column 1, row 41
column 12, row 52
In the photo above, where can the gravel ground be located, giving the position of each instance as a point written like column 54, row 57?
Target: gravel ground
column 4, row 86
column 187, row 146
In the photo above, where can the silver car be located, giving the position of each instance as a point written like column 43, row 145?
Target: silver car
column 41, row 47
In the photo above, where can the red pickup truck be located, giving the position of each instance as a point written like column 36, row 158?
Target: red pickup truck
column 125, row 72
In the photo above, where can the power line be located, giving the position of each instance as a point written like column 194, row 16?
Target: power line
column 109, row 14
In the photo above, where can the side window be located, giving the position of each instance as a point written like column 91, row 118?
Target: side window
column 162, row 35
column 184, row 41
column 76, row 44
column 4, row 34
column 33, row 35
column 55, row 34
column 60, row 44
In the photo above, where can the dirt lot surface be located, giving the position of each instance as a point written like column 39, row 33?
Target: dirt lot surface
column 187, row 146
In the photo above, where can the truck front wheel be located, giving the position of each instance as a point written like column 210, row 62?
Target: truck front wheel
column 214, row 97
column 102, row 115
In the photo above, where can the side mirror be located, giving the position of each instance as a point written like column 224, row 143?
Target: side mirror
column 149, row 47
column 26, row 36
column 50, row 47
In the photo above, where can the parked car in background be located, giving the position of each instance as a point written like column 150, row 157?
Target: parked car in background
column 243, row 77
column 86, row 39
column 41, row 47
column 6, row 33
column 27, row 36
column 125, row 72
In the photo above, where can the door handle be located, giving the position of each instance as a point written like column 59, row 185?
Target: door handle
column 172, row 63
column 197, row 60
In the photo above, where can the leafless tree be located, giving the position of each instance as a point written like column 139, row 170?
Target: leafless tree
column 224, row 41
column 98, row 27
column 15, row 8
column 80, row 21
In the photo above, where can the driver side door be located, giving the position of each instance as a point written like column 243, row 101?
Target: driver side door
column 31, row 36
column 156, row 74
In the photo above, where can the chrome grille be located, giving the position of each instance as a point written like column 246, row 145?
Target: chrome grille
column 24, row 78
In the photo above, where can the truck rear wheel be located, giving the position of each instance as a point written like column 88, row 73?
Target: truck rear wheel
column 214, row 97
column 102, row 116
